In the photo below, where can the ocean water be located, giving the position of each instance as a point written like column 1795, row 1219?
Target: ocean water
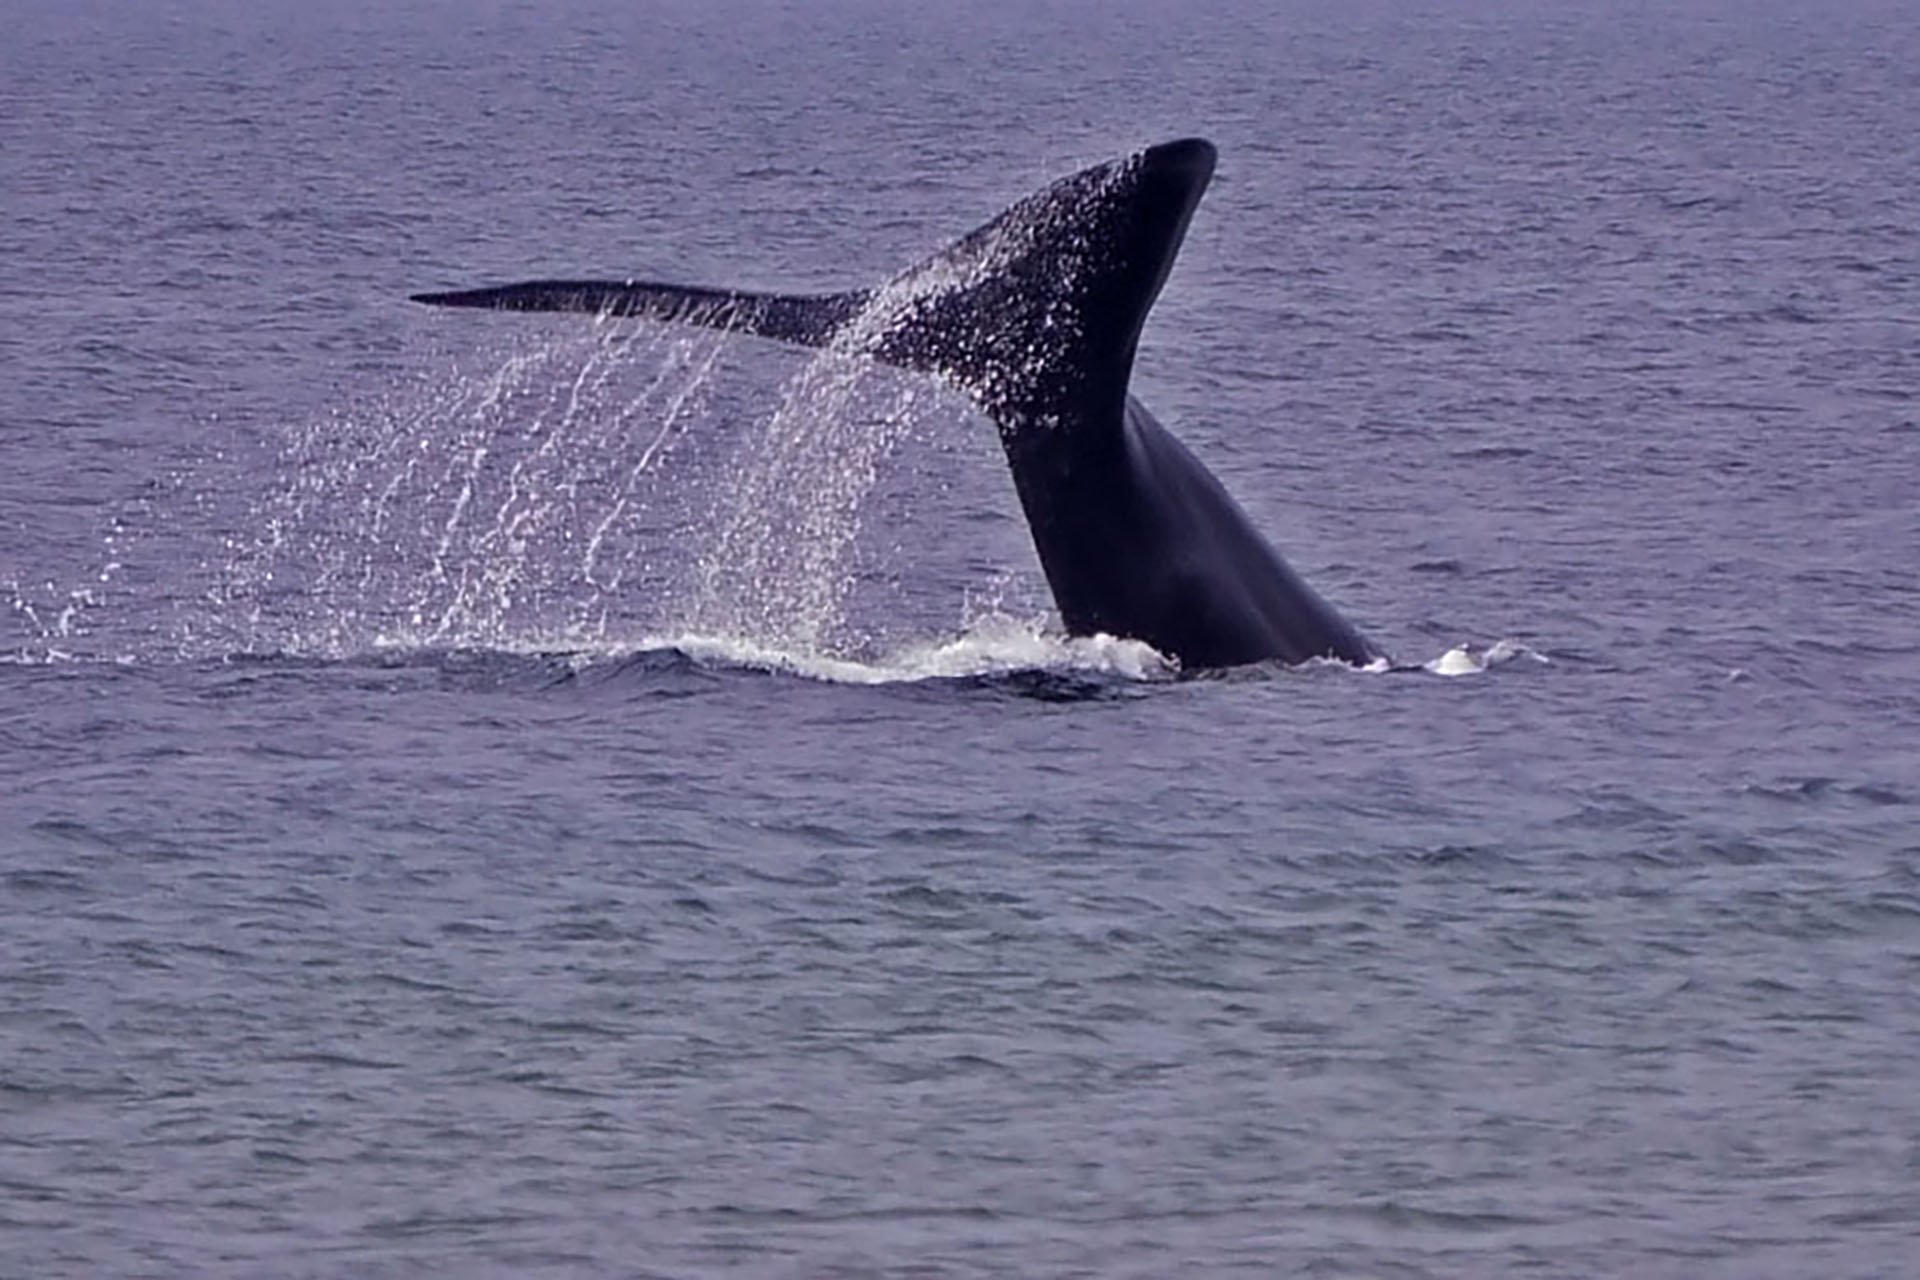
column 507, row 795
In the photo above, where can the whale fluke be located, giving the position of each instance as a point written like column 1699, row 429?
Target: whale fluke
column 1036, row 316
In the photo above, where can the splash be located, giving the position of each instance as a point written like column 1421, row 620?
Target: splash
column 549, row 494
column 1465, row 659
column 778, row 571
column 468, row 509
column 992, row 647
column 62, row 621
column 958, row 658
column 552, row 496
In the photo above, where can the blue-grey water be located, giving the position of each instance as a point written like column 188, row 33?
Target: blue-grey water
column 505, row 795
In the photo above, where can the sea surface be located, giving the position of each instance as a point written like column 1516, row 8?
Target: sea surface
column 502, row 795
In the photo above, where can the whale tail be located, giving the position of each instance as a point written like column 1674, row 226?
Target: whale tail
column 1030, row 315
column 1036, row 316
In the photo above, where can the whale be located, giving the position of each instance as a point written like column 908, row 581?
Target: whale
column 1036, row 318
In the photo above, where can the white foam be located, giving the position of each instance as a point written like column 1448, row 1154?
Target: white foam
column 994, row 648
column 1464, row 659
column 1461, row 660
